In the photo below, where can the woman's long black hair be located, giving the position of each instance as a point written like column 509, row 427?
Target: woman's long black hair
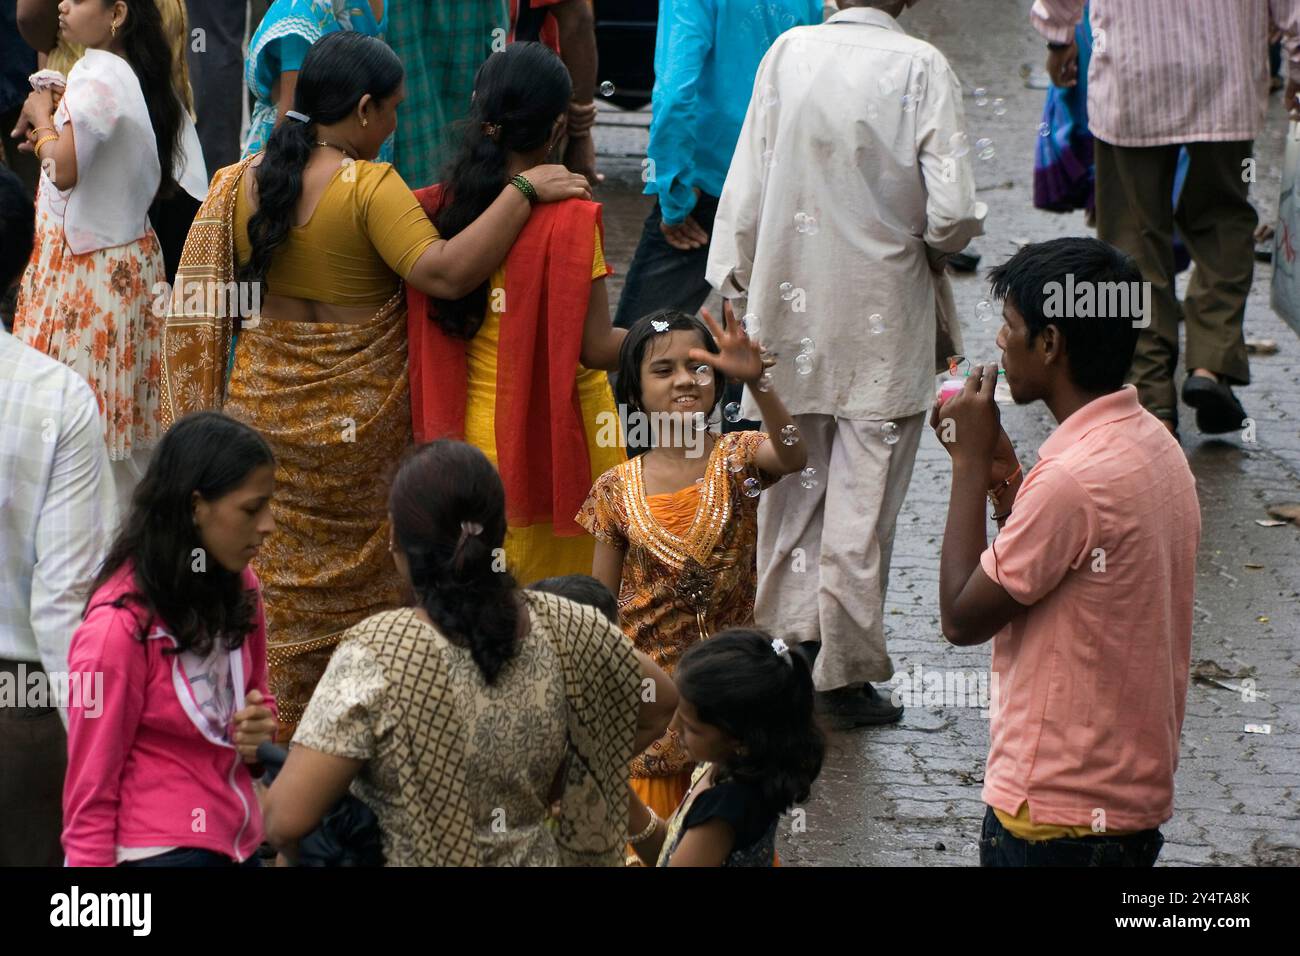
column 521, row 91
column 338, row 70
column 147, row 48
column 737, row 683
column 213, row 455
column 449, row 518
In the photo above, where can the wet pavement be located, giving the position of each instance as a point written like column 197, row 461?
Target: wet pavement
column 910, row 793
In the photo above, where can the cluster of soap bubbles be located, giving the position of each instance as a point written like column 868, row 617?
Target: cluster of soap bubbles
column 805, row 224
column 803, row 362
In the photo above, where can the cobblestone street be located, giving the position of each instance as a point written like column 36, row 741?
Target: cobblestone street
column 910, row 793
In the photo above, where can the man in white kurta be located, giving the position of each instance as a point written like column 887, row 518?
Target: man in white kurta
column 849, row 181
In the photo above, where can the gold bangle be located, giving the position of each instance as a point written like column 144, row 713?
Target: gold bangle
column 645, row 834
column 41, row 142
column 37, row 129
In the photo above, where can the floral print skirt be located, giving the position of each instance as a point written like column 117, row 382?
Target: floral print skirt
column 95, row 313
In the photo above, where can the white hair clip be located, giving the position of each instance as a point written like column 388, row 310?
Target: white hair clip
column 779, row 646
column 659, row 326
column 295, row 115
column 470, row 527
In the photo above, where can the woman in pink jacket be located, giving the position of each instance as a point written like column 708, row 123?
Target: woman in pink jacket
column 170, row 659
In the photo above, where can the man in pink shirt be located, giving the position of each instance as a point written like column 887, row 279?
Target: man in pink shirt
column 1167, row 74
column 1087, row 588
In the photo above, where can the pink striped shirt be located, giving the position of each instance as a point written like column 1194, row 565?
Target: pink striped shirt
column 1176, row 71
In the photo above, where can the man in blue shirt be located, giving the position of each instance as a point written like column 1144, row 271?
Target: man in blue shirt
column 706, row 55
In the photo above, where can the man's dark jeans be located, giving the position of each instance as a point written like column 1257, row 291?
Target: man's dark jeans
column 999, row 847
column 661, row 277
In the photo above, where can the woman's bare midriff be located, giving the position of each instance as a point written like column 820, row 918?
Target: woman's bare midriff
column 283, row 308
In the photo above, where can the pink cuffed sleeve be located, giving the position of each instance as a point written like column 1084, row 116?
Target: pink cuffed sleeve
column 107, row 658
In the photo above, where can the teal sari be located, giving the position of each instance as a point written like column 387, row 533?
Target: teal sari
column 289, row 28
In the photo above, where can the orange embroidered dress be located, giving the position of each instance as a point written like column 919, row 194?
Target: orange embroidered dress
column 689, row 571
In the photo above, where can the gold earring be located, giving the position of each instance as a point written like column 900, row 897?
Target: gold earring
column 364, row 121
column 113, row 28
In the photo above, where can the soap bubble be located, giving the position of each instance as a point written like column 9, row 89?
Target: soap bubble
column 787, row 291
column 877, row 323
column 999, row 107
column 909, row 103
column 769, row 159
column 752, row 487
column 807, row 345
column 764, row 383
column 735, row 464
column 750, row 324
column 607, row 88
column 981, row 96
column 886, row 86
column 803, row 363
column 984, row 310
column 808, row 477
column 699, row 421
column 731, row 412
column 872, row 110
column 985, row 148
column 959, row 143
column 1044, row 130
column 703, row 376
column 889, row 433
column 768, row 97
column 805, row 224
column 789, row 435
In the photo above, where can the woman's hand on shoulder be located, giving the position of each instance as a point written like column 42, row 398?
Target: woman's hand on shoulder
column 554, row 183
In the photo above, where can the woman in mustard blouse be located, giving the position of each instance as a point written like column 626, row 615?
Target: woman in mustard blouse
column 323, row 239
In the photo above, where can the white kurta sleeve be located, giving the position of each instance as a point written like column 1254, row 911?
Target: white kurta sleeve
column 953, row 215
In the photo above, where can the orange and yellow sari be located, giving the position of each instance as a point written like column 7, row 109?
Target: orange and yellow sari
column 332, row 401
column 517, row 390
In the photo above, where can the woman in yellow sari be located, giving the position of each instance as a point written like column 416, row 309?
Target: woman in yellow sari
column 516, row 367
column 321, row 239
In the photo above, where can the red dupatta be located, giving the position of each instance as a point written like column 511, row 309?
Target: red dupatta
column 541, row 441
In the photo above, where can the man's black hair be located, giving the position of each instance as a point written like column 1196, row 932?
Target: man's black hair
column 17, row 228
column 1099, row 347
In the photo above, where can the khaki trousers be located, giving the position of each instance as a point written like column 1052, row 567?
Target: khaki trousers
column 1135, row 213
column 824, row 552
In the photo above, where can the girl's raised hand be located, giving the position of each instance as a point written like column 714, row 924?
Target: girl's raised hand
column 739, row 357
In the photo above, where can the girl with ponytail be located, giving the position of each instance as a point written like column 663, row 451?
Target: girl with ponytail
column 112, row 137
column 745, row 715
column 467, row 717
column 322, row 240
column 535, row 408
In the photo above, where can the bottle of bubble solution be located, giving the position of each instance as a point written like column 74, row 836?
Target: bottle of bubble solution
column 956, row 381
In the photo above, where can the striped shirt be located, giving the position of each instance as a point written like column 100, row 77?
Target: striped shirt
column 57, row 504
column 1176, row 71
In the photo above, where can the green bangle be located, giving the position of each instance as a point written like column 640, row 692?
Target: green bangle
column 525, row 187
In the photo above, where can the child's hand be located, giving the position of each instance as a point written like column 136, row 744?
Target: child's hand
column 254, row 725
column 739, row 356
